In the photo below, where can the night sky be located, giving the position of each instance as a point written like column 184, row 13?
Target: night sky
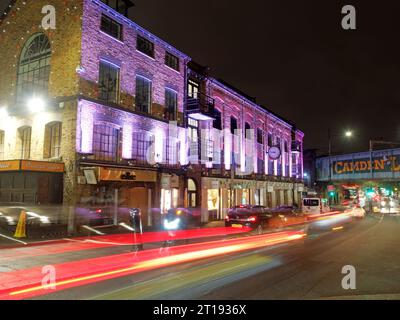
column 296, row 59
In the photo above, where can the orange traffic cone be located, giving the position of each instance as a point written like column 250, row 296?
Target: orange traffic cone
column 20, row 232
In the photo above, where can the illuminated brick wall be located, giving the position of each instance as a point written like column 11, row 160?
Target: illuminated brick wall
column 97, row 45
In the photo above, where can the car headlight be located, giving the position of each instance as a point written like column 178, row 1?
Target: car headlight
column 171, row 225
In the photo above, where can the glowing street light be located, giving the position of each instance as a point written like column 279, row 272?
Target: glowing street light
column 349, row 134
column 3, row 112
column 36, row 104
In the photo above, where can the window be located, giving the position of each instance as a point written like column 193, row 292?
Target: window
column 106, row 142
column 270, row 140
column 145, row 46
column 34, row 68
column 52, row 140
column 172, row 61
column 260, row 138
column 193, row 131
column 247, row 132
column 217, row 124
column 111, row 27
column 1, row 145
column 121, row 6
column 193, row 89
column 143, row 94
column 25, row 139
column 172, row 150
column 234, row 125
column 192, row 193
column 171, row 104
column 142, row 142
column 108, row 82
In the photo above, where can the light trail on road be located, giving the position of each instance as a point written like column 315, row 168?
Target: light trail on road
column 88, row 271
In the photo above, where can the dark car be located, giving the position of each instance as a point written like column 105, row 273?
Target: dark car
column 254, row 217
column 260, row 218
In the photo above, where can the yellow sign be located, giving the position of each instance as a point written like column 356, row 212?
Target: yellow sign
column 127, row 175
column 9, row 165
column 41, row 166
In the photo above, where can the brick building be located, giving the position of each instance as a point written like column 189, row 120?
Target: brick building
column 101, row 111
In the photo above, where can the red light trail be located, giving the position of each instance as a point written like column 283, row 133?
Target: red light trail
column 24, row 284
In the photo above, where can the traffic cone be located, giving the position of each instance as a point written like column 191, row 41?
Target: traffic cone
column 20, row 232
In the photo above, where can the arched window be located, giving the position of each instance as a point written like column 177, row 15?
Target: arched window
column 192, row 193
column 34, row 67
column 25, row 134
column 52, row 140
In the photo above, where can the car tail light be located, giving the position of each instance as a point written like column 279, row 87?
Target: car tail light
column 227, row 218
column 98, row 211
column 252, row 219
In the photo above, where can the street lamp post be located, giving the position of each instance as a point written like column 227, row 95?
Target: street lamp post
column 348, row 134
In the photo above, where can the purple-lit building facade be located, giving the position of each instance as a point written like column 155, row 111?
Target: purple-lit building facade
column 141, row 125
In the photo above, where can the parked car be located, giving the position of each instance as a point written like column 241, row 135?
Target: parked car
column 260, row 218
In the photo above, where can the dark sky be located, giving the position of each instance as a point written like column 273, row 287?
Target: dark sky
column 296, row 59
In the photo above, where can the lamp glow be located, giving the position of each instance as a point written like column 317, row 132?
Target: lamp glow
column 36, row 104
column 3, row 112
column 349, row 134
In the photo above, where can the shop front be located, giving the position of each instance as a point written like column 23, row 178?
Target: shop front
column 31, row 182
column 118, row 189
column 170, row 192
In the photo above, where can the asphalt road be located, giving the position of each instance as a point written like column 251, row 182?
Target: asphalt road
column 305, row 269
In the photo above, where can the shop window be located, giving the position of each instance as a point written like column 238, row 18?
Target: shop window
column 213, row 199
column 52, row 140
column 169, row 199
column 192, row 193
column 1, row 145
column 34, row 68
column 25, row 134
column 106, row 142
column 109, row 82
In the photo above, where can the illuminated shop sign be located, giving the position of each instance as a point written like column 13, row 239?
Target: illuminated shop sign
column 389, row 164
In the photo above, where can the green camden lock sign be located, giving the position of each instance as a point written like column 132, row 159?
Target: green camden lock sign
column 389, row 164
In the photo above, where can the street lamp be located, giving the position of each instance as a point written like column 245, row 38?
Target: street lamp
column 3, row 112
column 36, row 104
column 349, row 134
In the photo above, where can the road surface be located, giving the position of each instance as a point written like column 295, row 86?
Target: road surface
column 310, row 268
